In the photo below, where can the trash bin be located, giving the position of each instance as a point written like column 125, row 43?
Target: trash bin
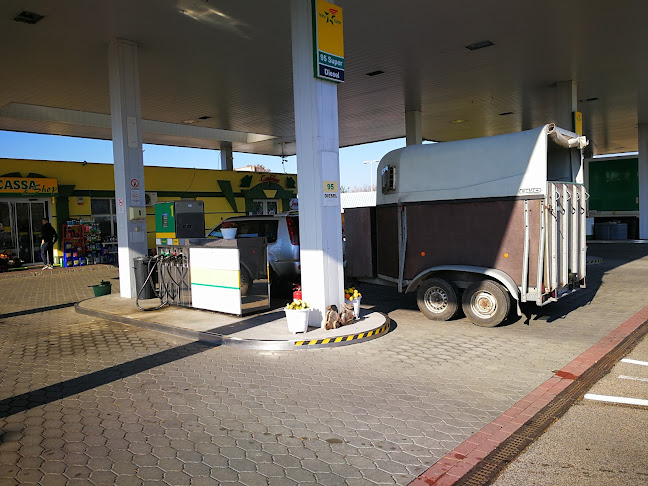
column 141, row 266
column 619, row 231
column 602, row 231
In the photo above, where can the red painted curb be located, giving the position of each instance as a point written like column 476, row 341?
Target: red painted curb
column 458, row 462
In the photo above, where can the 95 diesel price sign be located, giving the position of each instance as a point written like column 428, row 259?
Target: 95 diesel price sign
column 331, row 193
column 328, row 42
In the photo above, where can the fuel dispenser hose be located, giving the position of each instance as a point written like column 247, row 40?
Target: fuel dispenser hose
column 152, row 266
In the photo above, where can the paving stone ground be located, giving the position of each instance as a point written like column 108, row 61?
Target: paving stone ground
column 87, row 401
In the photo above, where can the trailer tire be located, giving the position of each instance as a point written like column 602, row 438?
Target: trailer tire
column 437, row 299
column 486, row 303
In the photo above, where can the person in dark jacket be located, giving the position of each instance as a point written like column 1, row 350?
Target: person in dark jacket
column 48, row 238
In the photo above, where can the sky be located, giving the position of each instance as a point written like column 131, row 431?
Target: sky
column 353, row 171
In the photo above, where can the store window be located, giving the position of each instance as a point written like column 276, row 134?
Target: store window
column 103, row 211
column 266, row 206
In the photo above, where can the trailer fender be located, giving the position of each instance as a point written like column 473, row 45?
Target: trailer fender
column 498, row 275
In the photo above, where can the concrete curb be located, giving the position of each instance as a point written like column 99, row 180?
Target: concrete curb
column 456, row 464
column 222, row 340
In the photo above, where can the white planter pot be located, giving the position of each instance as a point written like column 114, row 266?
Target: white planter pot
column 297, row 320
column 356, row 306
column 229, row 233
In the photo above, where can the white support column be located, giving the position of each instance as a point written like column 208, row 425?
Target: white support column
column 413, row 128
column 316, row 131
column 643, row 181
column 127, row 152
column 566, row 104
column 226, row 156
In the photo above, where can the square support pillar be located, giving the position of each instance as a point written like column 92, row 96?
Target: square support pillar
column 316, row 131
column 413, row 128
column 566, row 104
column 226, row 156
column 126, row 119
column 643, row 181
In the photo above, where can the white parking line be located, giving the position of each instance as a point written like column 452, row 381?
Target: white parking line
column 634, row 361
column 624, row 400
column 635, row 378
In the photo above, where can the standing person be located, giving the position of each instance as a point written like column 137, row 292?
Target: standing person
column 48, row 238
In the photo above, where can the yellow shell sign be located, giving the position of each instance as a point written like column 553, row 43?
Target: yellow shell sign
column 23, row 186
column 328, row 41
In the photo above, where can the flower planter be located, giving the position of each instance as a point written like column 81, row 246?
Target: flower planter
column 229, row 233
column 297, row 320
column 101, row 289
column 356, row 306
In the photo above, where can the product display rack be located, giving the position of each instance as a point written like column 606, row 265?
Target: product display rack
column 82, row 244
column 72, row 244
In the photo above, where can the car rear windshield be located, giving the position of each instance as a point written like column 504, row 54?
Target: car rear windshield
column 252, row 228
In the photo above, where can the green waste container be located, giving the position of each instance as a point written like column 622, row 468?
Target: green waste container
column 102, row 289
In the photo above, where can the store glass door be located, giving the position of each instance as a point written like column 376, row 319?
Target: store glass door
column 7, row 237
column 25, row 222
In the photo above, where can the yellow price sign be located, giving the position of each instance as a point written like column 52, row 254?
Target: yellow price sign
column 578, row 123
column 328, row 44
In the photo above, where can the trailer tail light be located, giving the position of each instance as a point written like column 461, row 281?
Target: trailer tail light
column 293, row 229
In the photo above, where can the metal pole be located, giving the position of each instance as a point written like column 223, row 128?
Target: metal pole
column 371, row 163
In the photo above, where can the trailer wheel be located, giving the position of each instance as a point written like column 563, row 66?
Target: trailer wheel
column 437, row 299
column 486, row 303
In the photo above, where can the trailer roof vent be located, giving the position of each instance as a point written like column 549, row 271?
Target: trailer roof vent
column 479, row 45
column 28, row 17
column 388, row 179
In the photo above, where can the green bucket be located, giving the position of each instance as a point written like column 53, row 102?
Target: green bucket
column 101, row 289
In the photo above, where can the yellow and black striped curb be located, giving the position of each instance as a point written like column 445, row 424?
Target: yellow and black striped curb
column 223, row 340
column 593, row 260
column 341, row 340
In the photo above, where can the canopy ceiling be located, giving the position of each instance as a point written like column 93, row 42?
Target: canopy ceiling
column 230, row 61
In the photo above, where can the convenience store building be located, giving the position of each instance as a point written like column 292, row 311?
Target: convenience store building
column 85, row 192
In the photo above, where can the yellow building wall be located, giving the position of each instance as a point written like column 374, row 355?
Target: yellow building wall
column 87, row 178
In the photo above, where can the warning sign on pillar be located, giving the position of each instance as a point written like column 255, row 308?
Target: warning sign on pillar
column 120, row 205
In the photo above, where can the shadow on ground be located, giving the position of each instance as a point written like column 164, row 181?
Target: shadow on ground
column 58, row 391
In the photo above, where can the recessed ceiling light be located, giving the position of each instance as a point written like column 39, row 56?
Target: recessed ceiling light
column 479, row 45
column 375, row 73
column 205, row 117
column 456, row 122
column 506, row 113
column 28, row 17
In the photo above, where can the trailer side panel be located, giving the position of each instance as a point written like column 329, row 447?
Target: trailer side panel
column 475, row 232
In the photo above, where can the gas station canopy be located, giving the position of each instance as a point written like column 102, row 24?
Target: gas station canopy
column 219, row 70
